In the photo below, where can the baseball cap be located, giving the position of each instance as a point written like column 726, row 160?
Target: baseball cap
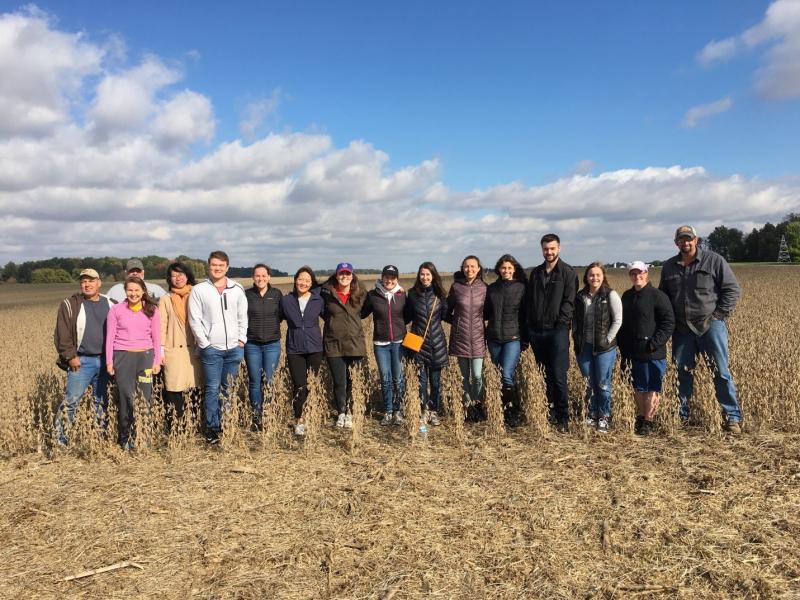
column 390, row 270
column 344, row 267
column 685, row 231
column 638, row 265
column 90, row 273
column 134, row 264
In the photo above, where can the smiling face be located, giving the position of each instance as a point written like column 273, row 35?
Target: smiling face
column 389, row 281
column 638, row 278
column 550, row 251
column 425, row 277
column 594, row 278
column 134, row 292
column 177, row 280
column 261, row 278
column 217, row 269
column 507, row 271
column 344, row 279
column 302, row 283
column 687, row 246
column 470, row 269
column 90, row 287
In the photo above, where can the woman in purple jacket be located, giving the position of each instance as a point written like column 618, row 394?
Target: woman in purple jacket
column 467, row 334
column 301, row 309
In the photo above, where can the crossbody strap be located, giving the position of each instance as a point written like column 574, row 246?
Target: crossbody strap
column 430, row 316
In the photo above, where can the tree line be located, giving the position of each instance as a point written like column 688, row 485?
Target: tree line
column 760, row 245
column 66, row 270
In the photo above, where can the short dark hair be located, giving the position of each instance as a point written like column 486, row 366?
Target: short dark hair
column 262, row 266
column 550, row 237
column 179, row 267
column 219, row 255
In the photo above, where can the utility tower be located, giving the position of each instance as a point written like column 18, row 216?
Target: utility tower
column 783, row 251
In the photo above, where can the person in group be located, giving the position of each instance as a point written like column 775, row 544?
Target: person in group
column 180, row 362
column 597, row 319
column 218, row 320
column 80, row 342
column 467, row 340
column 504, row 312
column 302, row 310
column 703, row 291
column 425, row 309
column 647, row 324
column 386, row 303
column 550, row 302
column 343, row 337
column 263, row 348
column 133, row 354
column 134, row 267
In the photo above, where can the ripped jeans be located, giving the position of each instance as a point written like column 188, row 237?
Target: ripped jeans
column 597, row 369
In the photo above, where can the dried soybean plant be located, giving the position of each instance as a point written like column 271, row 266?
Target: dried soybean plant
column 315, row 409
column 668, row 411
column 360, row 391
column 703, row 406
column 493, row 400
column 533, row 395
column 276, row 412
column 411, row 401
column 623, row 402
column 232, row 406
column 451, row 392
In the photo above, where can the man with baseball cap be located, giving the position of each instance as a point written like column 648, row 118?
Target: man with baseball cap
column 703, row 291
column 135, row 267
column 80, row 342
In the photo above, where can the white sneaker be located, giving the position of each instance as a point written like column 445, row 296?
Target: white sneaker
column 340, row 421
column 602, row 425
column 386, row 420
column 348, row 422
column 398, row 418
column 433, row 419
column 300, row 429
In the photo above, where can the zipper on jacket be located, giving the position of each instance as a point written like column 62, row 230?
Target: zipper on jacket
column 223, row 302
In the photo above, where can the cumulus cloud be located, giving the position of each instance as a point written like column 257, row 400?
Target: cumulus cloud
column 778, row 77
column 697, row 113
column 105, row 177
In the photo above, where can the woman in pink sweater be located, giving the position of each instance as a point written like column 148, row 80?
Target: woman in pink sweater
column 133, row 351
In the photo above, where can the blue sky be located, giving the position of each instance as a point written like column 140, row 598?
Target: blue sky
column 471, row 97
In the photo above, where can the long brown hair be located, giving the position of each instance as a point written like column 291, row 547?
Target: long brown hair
column 605, row 286
column 357, row 291
column 149, row 305
column 436, row 280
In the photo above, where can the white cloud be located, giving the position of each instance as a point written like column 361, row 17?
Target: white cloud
column 696, row 114
column 778, row 77
column 110, row 176
column 256, row 113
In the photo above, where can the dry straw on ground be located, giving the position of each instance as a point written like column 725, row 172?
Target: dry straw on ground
column 688, row 513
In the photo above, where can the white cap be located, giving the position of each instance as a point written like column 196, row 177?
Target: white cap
column 638, row 265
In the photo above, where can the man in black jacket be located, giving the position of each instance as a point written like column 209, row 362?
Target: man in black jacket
column 550, row 303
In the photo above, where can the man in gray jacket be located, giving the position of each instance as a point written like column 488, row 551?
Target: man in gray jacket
column 703, row 291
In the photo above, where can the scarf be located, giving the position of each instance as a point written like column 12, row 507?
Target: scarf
column 180, row 298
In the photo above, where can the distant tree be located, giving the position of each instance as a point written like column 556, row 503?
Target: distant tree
column 49, row 275
column 793, row 239
column 10, row 271
column 729, row 243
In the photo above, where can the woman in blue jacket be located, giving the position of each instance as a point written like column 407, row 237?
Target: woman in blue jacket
column 302, row 309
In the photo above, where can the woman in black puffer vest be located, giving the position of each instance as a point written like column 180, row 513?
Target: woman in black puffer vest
column 426, row 300
column 505, row 312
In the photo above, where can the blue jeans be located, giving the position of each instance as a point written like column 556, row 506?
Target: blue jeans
column 506, row 356
column 430, row 400
column 92, row 372
column 218, row 367
column 714, row 344
column 260, row 359
column 391, row 371
column 551, row 349
column 597, row 369
column 471, row 377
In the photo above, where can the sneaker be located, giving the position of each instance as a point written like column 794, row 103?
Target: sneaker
column 637, row 428
column 433, row 419
column 646, row 428
column 591, row 422
column 733, row 427
column 602, row 425
column 398, row 418
column 212, row 438
column 348, row 422
column 300, row 429
column 341, row 419
column 386, row 420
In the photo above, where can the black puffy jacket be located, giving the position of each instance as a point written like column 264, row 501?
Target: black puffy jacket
column 418, row 306
column 263, row 315
column 504, row 309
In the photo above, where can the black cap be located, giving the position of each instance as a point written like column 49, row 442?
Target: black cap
column 390, row 270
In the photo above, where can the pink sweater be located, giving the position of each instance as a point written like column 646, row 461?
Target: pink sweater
column 128, row 330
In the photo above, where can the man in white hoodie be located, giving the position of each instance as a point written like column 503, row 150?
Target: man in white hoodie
column 218, row 319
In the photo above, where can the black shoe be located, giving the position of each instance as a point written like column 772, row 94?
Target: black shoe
column 562, row 427
column 212, row 437
column 257, row 426
column 639, row 426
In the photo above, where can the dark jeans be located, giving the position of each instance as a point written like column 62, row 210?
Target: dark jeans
column 299, row 366
column 342, row 384
column 132, row 370
column 551, row 349
column 434, row 376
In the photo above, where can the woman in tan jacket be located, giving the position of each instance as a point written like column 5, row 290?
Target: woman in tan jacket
column 181, row 364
